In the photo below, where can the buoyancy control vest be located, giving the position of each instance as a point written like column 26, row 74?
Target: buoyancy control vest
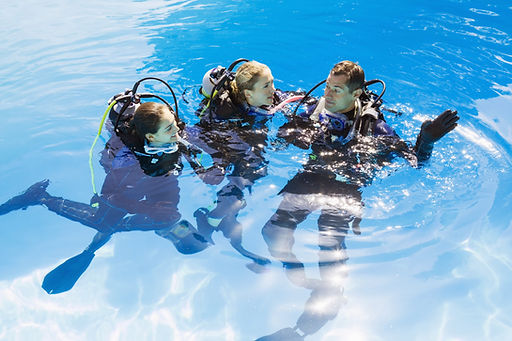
column 366, row 118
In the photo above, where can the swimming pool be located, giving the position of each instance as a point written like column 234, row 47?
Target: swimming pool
column 433, row 261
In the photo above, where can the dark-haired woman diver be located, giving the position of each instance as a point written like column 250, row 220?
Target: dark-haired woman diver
column 140, row 192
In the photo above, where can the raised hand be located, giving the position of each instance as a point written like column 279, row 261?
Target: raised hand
column 432, row 131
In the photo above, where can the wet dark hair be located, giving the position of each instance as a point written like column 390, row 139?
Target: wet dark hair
column 353, row 72
column 147, row 118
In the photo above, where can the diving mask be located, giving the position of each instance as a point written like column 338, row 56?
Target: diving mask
column 168, row 148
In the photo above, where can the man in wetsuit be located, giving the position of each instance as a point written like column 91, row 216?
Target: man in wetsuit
column 350, row 141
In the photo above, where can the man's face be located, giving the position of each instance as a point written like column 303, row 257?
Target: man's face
column 338, row 98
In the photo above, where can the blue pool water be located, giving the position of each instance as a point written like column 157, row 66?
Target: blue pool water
column 434, row 260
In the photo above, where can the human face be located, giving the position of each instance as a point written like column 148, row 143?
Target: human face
column 262, row 92
column 167, row 131
column 338, row 98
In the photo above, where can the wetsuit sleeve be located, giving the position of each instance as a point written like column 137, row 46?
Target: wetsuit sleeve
column 194, row 155
column 397, row 146
column 381, row 128
column 423, row 149
column 212, row 175
column 298, row 131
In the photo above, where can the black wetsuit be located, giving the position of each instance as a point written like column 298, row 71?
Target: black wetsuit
column 331, row 182
column 235, row 135
column 331, row 179
column 140, row 192
column 129, row 198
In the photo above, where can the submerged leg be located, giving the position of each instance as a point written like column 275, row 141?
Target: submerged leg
column 203, row 226
column 322, row 306
column 232, row 229
column 223, row 218
column 104, row 218
column 333, row 226
column 32, row 196
column 278, row 233
column 230, row 200
column 185, row 237
column 327, row 299
column 285, row 334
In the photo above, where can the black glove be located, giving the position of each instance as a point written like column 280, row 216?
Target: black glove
column 432, row 131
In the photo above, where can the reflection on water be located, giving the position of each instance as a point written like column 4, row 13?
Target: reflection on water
column 492, row 111
column 433, row 258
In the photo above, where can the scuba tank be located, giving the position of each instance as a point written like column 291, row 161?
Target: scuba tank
column 214, row 81
column 121, row 109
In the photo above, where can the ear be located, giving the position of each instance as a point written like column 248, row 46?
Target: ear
column 149, row 137
column 358, row 92
column 247, row 94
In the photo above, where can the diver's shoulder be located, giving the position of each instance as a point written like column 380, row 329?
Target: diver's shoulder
column 382, row 128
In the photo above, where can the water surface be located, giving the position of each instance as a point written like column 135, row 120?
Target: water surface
column 433, row 261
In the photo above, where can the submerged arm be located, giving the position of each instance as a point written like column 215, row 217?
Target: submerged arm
column 212, row 175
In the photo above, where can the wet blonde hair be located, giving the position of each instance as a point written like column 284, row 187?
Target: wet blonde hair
column 246, row 76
